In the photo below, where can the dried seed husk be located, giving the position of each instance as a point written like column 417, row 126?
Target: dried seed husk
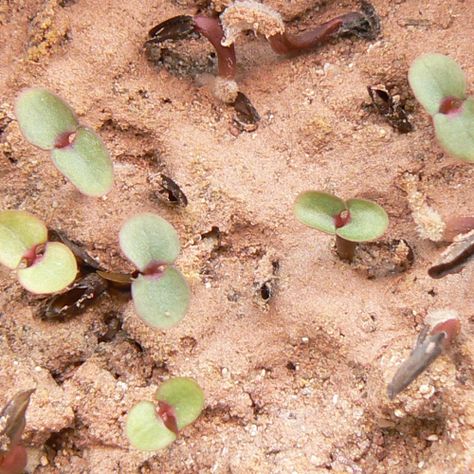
column 74, row 301
column 85, row 261
column 12, row 419
column 171, row 193
column 246, row 117
column 455, row 257
column 389, row 108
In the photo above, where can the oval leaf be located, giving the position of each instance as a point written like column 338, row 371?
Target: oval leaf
column 368, row 221
column 145, row 430
column 86, row 163
column 185, row 396
column 317, row 209
column 147, row 238
column 455, row 132
column 43, row 117
column 161, row 301
column 53, row 272
column 20, row 231
column 434, row 77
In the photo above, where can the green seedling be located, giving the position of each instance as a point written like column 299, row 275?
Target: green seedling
column 352, row 221
column 13, row 457
column 152, row 426
column 41, row 266
column 47, row 122
column 439, row 85
column 160, row 293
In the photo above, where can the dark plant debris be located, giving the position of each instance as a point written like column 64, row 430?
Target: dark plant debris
column 176, row 28
column 390, row 108
column 75, row 300
column 246, row 117
column 171, row 193
column 12, row 419
column 85, row 261
column 455, row 257
column 366, row 26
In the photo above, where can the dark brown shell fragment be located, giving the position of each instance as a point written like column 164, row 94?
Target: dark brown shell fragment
column 455, row 257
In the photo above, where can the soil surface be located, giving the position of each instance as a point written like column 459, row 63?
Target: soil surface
column 292, row 347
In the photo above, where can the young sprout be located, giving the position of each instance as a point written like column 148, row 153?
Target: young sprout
column 352, row 221
column 47, row 122
column 41, row 266
column 445, row 326
column 160, row 292
column 440, row 86
column 152, row 426
column 247, row 15
column 13, row 457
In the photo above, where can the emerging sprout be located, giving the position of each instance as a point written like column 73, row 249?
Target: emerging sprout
column 246, row 15
column 41, row 266
column 352, row 221
column 47, row 122
column 445, row 327
column 13, row 455
column 150, row 427
column 160, row 292
column 440, row 86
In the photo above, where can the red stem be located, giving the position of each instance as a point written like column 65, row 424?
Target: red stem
column 284, row 43
column 211, row 28
column 14, row 462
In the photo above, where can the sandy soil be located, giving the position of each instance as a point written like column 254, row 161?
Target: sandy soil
column 296, row 384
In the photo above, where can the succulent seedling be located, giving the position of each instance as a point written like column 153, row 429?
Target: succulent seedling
column 41, row 266
column 439, row 85
column 245, row 15
column 442, row 328
column 13, row 457
column 47, row 122
column 160, row 293
column 351, row 221
column 151, row 426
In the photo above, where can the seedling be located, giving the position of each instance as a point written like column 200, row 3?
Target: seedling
column 47, row 122
column 160, row 292
column 439, row 85
column 445, row 326
column 150, row 427
column 247, row 15
column 13, row 457
column 41, row 266
column 352, row 221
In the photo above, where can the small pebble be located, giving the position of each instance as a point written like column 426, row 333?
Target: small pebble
column 399, row 413
column 432, row 437
column 305, row 340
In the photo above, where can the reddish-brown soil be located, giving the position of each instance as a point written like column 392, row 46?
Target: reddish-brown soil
column 296, row 384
